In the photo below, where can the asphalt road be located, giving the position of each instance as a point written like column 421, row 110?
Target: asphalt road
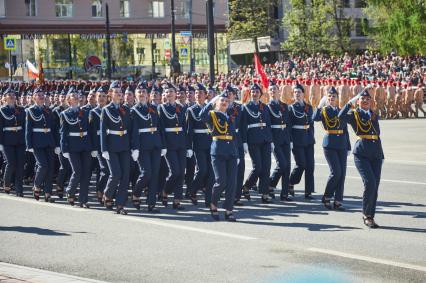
column 283, row 242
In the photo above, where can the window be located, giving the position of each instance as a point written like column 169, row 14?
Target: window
column 96, row 8
column 183, row 10
column 157, row 9
column 360, row 4
column 124, row 8
column 360, row 26
column 30, row 6
column 58, row 47
column 64, row 8
column 2, row 9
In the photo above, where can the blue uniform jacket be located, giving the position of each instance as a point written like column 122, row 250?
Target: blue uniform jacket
column 235, row 112
column 280, row 122
column 333, row 141
column 301, row 116
column 371, row 149
column 57, row 119
column 220, row 147
column 40, row 128
column 146, row 117
column 172, row 117
column 115, row 128
column 201, row 140
column 75, row 131
column 95, row 127
column 255, row 114
column 12, row 118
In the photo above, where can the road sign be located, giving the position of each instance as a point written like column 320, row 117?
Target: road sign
column 9, row 43
column 186, row 33
column 184, row 52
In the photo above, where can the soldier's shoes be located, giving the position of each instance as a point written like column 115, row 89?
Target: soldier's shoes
column 178, row 206
column 7, row 190
column 338, row 206
column 194, row 200
column 21, row 195
column 246, row 194
column 136, row 203
column 285, row 198
column 215, row 214
column 100, row 200
column 370, row 223
column 291, row 190
column 153, row 209
column 238, row 203
column 84, row 205
column 49, row 199
column 109, row 204
column 60, row 192
column 164, row 200
column 121, row 211
column 309, row 197
column 266, row 199
column 230, row 217
column 327, row 203
column 36, row 194
column 71, row 200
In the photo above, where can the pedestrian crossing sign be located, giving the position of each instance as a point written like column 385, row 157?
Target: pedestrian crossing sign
column 184, row 52
column 9, row 43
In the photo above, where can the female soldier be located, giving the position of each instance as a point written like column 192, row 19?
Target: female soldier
column 76, row 147
column 336, row 145
column 224, row 154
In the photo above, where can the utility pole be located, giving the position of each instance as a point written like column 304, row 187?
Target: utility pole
column 174, row 61
column 210, row 38
column 70, row 57
column 191, row 45
column 108, row 42
column 153, row 47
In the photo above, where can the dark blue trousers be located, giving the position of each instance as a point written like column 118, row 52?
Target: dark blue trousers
column 103, row 173
column 336, row 159
column 176, row 161
column 14, row 156
column 118, row 181
column 134, row 172
column 282, row 170
column 190, row 173
column 260, row 155
column 81, row 165
column 29, row 168
column 204, row 175
column 164, row 172
column 240, row 173
column 64, row 172
column 305, row 163
column 370, row 171
column 44, row 172
column 225, row 173
column 149, row 167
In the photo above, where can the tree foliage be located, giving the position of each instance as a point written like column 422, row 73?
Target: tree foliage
column 398, row 25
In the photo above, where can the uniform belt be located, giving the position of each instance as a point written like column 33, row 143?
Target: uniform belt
column 176, row 129
column 117, row 133
column 41, row 130
column 236, row 130
column 368, row 137
column 301, row 127
column 279, row 126
column 227, row 138
column 98, row 133
column 147, row 130
column 12, row 129
column 334, row 132
column 201, row 131
column 257, row 125
column 77, row 134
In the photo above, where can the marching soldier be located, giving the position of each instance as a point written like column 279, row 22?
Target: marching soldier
column 280, row 125
column 115, row 145
column 76, row 147
column 302, row 133
column 257, row 140
column 368, row 152
column 12, row 143
column 224, row 154
column 39, row 140
column 336, row 145
column 147, row 148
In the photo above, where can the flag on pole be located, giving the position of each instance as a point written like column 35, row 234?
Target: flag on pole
column 259, row 70
column 41, row 72
column 32, row 70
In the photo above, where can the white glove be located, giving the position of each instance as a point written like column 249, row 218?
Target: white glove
column 30, row 150
column 105, row 155
column 245, row 147
column 272, row 146
column 189, row 153
column 291, row 145
column 322, row 102
column 135, row 154
column 238, row 161
column 66, row 155
column 57, row 150
column 349, row 152
column 355, row 99
column 1, row 147
column 214, row 99
column 163, row 151
column 94, row 154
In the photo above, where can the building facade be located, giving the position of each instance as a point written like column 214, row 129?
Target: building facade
column 65, row 35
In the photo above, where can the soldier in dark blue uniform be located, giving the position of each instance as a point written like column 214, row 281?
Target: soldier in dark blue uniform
column 115, row 146
column 257, row 138
column 172, row 120
column 129, row 101
column 76, row 147
column 95, row 133
column 147, row 147
column 224, row 154
column 12, row 142
column 336, row 145
column 302, row 134
column 199, row 140
column 368, row 151
column 40, row 140
column 280, row 127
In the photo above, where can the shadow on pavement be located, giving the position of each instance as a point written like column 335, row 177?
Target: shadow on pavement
column 34, row 230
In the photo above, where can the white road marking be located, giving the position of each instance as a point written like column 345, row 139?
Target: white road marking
column 369, row 259
column 42, row 202
column 188, row 228
column 393, row 181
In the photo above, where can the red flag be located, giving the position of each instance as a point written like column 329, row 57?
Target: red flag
column 259, row 70
column 41, row 72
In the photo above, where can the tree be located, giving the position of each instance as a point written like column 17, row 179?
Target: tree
column 397, row 25
column 252, row 19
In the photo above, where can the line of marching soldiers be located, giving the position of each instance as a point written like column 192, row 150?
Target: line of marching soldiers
column 154, row 144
